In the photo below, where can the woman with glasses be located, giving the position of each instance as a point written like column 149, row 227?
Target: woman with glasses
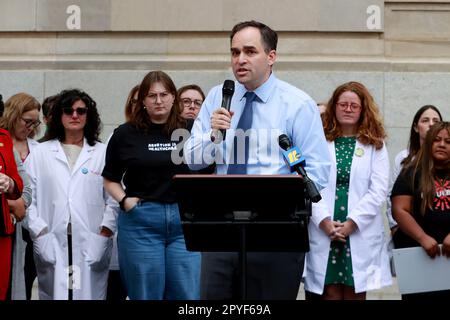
column 71, row 218
column 190, row 98
column 348, row 252
column 154, row 262
column 21, row 119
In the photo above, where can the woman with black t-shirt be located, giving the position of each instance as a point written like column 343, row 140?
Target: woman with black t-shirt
column 153, row 259
column 421, row 199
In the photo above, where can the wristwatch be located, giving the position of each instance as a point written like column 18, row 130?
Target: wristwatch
column 122, row 203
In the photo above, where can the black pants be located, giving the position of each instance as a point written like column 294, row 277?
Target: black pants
column 270, row 275
column 116, row 290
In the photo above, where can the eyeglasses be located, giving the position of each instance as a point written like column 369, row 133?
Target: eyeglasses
column 163, row 96
column 353, row 106
column 69, row 111
column 29, row 123
column 188, row 102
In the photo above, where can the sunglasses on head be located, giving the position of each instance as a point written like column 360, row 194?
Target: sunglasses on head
column 69, row 111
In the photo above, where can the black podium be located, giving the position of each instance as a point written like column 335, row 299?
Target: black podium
column 243, row 213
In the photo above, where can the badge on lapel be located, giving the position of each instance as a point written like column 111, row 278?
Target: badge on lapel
column 84, row 170
column 359, row 152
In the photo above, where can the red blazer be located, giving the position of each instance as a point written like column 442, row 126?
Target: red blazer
column 8, row 166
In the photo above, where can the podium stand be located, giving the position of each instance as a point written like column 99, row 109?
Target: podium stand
column 243, row 213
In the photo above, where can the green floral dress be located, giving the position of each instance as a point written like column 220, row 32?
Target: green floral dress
column 339, row 267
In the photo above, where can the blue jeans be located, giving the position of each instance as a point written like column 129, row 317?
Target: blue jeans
column 154, row 262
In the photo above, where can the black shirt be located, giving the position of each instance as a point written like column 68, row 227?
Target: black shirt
column 436, row 221
column 144, row 162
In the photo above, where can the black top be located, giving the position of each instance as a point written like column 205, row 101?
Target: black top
column 436, row 221
column 144, row 161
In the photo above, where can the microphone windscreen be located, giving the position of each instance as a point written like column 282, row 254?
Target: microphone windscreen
column 228, row 88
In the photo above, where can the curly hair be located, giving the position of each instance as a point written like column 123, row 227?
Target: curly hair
column 15, row 107
column 370, row 125
column 140, row 118
column 66, row 99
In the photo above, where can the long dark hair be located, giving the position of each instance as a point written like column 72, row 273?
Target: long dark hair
column 414, row 136
column 66, row 99
column 424, row 163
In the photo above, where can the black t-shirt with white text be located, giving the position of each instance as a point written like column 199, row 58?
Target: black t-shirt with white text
column 144, row 162
column 436, row 221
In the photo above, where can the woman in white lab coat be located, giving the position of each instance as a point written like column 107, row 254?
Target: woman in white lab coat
column 71, row 219
column 348, row 250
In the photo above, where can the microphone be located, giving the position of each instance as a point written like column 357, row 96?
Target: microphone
column 294, row 159
column 227, row 94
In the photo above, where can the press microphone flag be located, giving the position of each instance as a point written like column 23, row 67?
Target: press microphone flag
column 294, row 159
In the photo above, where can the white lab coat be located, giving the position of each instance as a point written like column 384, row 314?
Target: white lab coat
column 56, row 189
column 369, row 179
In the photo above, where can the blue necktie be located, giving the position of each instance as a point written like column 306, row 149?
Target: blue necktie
column 245, row 123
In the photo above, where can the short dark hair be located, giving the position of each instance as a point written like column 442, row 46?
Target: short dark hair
column 47, row 104
column 67, row 98
column 268, row 36
column 2, row 106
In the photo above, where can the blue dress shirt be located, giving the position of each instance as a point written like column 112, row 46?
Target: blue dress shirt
column 280, row 108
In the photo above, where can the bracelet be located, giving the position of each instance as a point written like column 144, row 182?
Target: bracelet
column 122, row 203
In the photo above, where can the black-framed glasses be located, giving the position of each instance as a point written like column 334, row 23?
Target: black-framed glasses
column 30, row 123
column 69, row 111
column 187, row 102
column 344, row 105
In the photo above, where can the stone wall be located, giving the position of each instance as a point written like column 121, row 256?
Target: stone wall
column 399, row 49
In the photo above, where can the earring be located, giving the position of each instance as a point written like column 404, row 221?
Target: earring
column 145, row 107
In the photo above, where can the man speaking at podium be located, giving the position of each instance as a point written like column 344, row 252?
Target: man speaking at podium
column 256, row 109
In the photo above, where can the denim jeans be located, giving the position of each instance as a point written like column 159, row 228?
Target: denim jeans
column 154, row 262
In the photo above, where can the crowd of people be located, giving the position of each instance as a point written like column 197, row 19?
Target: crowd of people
column 101, row 221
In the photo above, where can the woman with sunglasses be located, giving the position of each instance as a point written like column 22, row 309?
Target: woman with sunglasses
column 71, row 218
column 348, row 252
column 21, row 119
column 154, row 262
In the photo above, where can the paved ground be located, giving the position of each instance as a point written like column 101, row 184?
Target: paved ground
column 388, row 293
